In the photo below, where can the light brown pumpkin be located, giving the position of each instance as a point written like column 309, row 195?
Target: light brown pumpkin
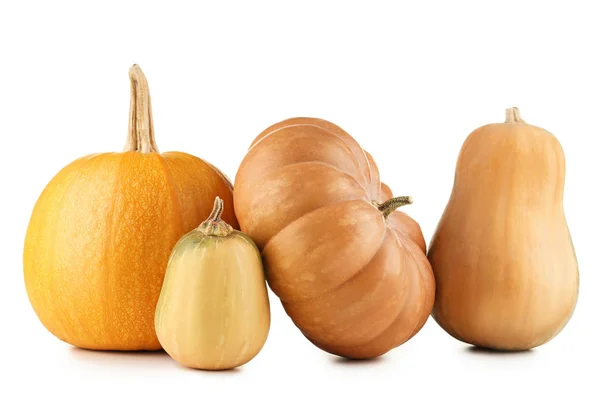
column 349, row 270
column 505, row 268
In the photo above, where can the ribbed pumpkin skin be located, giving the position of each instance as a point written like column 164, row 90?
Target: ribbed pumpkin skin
column 100, row 237
column 356, row 284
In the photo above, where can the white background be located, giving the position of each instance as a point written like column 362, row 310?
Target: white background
column 409, row 80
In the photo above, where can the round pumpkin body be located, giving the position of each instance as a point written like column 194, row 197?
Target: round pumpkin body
column 100, row 237
column 354, row 279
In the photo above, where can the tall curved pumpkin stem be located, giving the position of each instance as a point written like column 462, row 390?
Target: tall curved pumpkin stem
column 389, row 206
column 141, row 126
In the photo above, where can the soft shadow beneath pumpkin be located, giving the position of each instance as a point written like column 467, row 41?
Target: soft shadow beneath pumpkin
column 157, row 358
column 349, row 361
column 482, row 351
column 129, row 358
column 216, row 372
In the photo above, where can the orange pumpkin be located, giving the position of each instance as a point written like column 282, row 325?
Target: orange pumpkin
column 349, row 270
column 101, row 233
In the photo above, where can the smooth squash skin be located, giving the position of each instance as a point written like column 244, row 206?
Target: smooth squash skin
column 213, row 311
column 349, row 270
column 505, row 267
column 101, row 233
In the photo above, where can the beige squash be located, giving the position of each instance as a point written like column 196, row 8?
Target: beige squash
column 213, row 310
column 505, row 267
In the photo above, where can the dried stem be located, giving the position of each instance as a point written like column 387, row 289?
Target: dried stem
column 141, row 127
column 217, row 211
column 513, row 115
column 214, row 225
column 392, row 204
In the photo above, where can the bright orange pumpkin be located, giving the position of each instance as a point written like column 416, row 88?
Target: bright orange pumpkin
column 349, row 270
column 101, row 233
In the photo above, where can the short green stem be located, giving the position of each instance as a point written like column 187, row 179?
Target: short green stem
column 214, row 225
column 388, row 207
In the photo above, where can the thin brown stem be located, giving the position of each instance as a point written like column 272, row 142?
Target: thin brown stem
column 392, row 204
column 214, row 225
column 217, row 211
column 141, row 127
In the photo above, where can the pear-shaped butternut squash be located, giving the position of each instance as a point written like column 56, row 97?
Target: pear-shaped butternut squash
column 213, row 310
column 505, row 267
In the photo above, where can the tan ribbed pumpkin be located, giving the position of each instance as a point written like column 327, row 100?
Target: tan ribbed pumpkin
column 350, row 271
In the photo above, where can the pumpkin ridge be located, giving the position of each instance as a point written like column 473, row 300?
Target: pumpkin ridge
column 216, row 170
column 78, row 176
column 286, row 122
column 422, row 286
column 329, row 166
column 345, row 281
column 109, row 215
column 372, row 296
column 310, row 185
column 346, row 145
column 110, row 224
column 392, row 321
column 393, row 224
column 220, row 173
column 75, row 173
column 368, row 158
column 172, row 188
column 173, row 158
column 280, row 283
column 111, row 270
column 304, row 215
column 345, row 136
